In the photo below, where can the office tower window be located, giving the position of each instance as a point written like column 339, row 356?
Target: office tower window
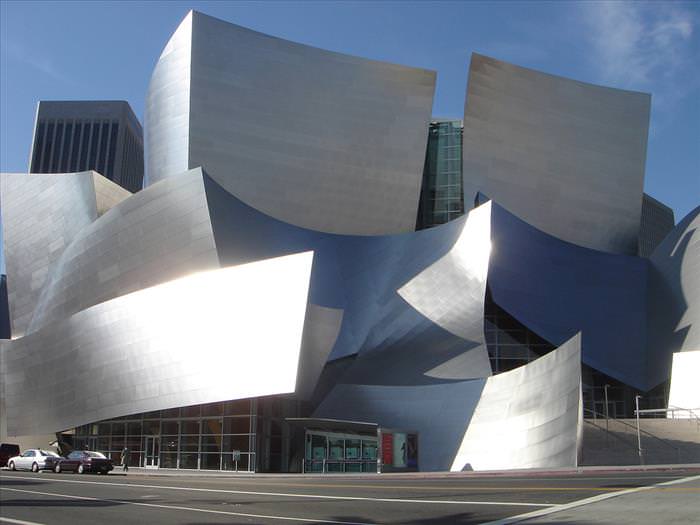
column 104, row 136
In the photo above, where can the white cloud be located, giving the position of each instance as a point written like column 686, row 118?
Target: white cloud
column 637, row 44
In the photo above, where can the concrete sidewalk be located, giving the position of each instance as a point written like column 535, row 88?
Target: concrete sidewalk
column 691, row 468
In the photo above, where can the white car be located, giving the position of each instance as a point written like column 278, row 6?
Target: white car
column 33, row 459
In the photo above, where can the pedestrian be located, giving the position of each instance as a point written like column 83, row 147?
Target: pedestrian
column 125, row 459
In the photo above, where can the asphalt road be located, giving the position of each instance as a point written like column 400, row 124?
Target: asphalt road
column 48, row 498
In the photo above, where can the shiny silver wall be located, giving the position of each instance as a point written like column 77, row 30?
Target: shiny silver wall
column 317, row 139
column 199, row 339
column 439, row 413
column 167, row 115
column 565, row 156
column 674, row 296
column 528, row 417
column 155, row 235
column 41, row 214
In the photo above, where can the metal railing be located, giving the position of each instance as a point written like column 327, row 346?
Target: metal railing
column 690, row 413
column 639, row 432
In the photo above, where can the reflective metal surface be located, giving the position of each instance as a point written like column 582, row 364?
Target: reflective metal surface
column 156, row 235
column 107, row 193
column 557, row 289
column 41, row 214
column 317, row 139
column 674, row 297
column 361, row 276
column 321, row 330
column 439, row 413
column 684, row 392
column 200, row 339
column 565, row 156
column 167, row 112
column 451, row 291
column 528, row 417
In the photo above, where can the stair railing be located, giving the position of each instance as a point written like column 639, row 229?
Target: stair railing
column 644, row 432
column 691, row 414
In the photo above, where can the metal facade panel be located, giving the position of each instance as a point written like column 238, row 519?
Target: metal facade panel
column 320, row 334
column 528, row 417
column 684, row 391
column 41, row 215
column 155, row 235
column 318, row 139
column 439, row 413
column 557, row 289
column 451, row 291
column 657, row 222
column 361, row 275
column 565, row 156
column 167, row 112
column 674, row 297
column 107, row 193
column 200, row 339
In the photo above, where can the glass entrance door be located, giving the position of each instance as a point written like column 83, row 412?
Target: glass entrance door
column 152, row 450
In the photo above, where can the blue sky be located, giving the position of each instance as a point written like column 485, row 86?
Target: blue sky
column 107, row 50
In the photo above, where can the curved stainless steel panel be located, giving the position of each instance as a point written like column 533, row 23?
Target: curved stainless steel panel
column 318, row 139
column 674, row 297
column 167, row 113
column 684, row 391
column 557, row 289
column 41, row 214
column 107, row 193
column 200, row 339
column 451, row 291
column 528, row 417
column 320, row 334
column 439, row 413
column 360, row 275
column 158, row 234
column 565, row 156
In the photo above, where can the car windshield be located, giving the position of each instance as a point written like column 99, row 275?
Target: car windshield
column 49, row 453
column 95, row 455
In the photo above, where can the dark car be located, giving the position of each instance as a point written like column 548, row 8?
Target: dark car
column 81, row 461
column 7, row 451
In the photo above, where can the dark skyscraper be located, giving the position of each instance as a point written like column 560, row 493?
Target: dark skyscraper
column 104, row 136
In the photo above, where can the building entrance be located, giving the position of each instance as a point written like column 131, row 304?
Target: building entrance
column 152, row 450
column 333, row 452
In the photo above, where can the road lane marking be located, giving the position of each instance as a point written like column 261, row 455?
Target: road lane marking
column 192, row 509
column 587, row 501
column 303, row 496
column 18, row 522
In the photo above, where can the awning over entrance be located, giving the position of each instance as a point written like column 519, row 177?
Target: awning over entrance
column 334, row 425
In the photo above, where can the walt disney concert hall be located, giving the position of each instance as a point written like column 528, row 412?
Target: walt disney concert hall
column 275, row 300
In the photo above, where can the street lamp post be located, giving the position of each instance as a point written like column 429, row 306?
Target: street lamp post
column 639, row 436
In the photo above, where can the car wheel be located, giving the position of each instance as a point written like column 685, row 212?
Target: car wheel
column 35, row 467
column 11, row 465
column 81, row 469
column 57, row 468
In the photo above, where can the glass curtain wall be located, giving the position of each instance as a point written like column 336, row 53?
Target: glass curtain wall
column 441, row 197
column 331, row 452
column 197, row 437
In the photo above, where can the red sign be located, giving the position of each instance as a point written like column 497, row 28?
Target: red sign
column 388, row 449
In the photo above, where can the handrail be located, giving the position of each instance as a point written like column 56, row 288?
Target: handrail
column 691, row 411
column 673, row 409
column 646, row 433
